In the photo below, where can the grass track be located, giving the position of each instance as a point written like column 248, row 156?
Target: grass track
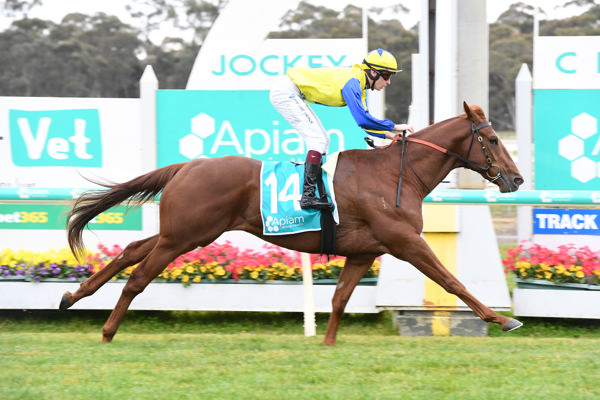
column 265, row 356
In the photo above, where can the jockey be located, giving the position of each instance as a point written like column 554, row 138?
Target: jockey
column 336, row 87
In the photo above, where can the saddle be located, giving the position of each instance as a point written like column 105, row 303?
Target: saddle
column 280, row 191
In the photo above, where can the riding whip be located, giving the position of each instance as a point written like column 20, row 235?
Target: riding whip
column 401, row 163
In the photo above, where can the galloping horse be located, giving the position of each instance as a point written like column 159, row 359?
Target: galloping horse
column 203, row 198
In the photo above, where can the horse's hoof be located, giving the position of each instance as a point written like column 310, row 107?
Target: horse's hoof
column 65, row 302
column 511, row 325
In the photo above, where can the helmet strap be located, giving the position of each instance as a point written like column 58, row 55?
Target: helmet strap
column 377, row 76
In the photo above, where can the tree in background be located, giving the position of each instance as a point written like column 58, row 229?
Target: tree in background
column 100, row 56
column 93, row 56
column 511, row 45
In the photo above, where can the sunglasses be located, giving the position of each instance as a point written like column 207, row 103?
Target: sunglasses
column 386, row 75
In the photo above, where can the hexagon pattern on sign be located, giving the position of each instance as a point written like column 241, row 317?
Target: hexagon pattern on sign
column 571, row 147
column 192, row 145
column 203, row 125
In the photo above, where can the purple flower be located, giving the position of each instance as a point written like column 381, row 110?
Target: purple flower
column 55, row 270
column 79, row 269
column 72, row 277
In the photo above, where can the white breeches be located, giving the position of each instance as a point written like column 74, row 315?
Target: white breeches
column 287, row 99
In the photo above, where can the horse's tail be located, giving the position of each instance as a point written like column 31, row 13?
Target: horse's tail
column 138, row 190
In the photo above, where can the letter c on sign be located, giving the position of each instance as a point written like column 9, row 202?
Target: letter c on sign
column 559, row 62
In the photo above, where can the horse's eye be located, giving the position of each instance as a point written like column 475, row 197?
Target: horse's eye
column 494, row 141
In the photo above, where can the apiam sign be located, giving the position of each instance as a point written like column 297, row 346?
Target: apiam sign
column 205, row 124
column 566, row 221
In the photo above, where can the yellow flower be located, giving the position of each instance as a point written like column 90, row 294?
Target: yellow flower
column 579, row 274
column 254, row 274
column 185, row 278
column 211, row 276
column 219, row 271
column 290, row 271
column 189, row 269
column 545, row 267
column 548, row 275
column 197, row 279
column 203, row 269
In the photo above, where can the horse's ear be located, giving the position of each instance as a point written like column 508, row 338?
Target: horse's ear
column 467, row 109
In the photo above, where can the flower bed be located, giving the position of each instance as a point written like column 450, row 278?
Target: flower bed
column 562, row 283
column 565, row 266
column 211, row 264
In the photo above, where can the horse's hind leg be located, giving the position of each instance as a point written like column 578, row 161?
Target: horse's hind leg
column 160, row 256
column 131, row 255
column 351, row 274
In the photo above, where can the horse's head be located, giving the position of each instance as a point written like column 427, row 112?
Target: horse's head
column 488, row 155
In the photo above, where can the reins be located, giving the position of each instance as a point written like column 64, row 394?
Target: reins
column 474, row 131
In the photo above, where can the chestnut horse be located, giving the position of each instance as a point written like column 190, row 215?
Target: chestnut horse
column 203, row 198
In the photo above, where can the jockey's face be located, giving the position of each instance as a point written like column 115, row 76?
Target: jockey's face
column 382, row 82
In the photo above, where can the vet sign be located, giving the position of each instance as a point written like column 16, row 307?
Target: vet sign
column 566, row 221
column 53, row 138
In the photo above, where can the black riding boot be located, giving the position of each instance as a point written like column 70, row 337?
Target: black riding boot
column 309, row 199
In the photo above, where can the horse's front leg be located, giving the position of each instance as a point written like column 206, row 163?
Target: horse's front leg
column 354, row 269
column 418, row 253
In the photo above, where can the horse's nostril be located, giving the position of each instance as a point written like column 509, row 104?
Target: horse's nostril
column 519, row 181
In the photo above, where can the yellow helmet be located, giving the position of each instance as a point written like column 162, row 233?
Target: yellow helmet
column 380, row 60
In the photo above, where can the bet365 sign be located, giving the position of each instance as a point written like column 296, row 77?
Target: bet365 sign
column 55, row 138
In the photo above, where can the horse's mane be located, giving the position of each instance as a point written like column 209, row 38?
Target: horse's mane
column 436, row 126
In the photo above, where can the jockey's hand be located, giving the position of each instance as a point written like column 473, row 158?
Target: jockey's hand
column 401, row 128
column 404, row 127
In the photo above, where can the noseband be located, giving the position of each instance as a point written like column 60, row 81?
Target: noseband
column 475, row 131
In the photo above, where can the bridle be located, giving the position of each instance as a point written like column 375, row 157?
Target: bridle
column 474, row 133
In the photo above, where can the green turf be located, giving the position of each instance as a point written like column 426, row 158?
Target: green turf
column 201, row 355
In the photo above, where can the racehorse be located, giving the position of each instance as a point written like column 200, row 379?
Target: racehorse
column 203, row 198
